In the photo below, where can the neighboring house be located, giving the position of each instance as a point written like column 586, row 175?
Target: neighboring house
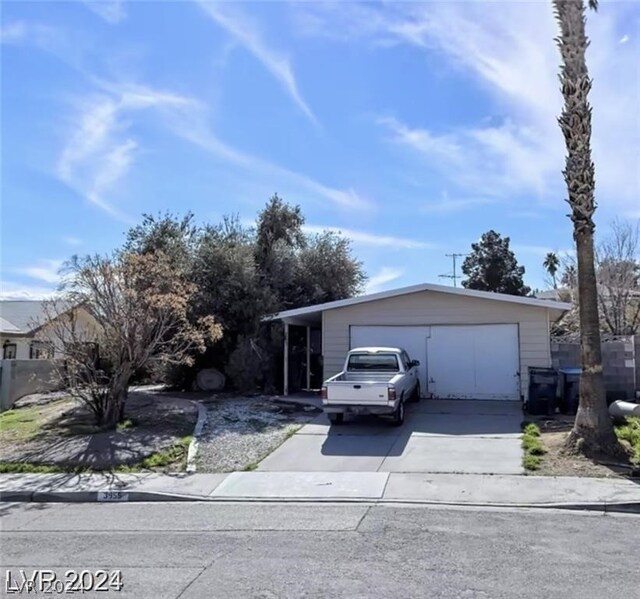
column 552, row 294
column 23, row 325
column 470, row 344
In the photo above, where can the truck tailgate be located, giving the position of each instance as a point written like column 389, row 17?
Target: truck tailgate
column 357, row 392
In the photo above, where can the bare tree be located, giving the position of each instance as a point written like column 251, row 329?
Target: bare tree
column 618, row 275
column 593, row 430
column 139, row 316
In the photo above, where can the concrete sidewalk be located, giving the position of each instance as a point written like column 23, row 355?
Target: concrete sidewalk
column 446, row 489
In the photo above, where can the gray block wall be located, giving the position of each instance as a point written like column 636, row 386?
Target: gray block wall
column 620, row 363
column 23, row 377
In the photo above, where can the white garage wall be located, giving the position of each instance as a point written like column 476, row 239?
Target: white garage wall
column 432, row 308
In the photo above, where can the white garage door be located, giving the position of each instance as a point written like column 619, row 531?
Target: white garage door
column 474, row 362
column 412, row 339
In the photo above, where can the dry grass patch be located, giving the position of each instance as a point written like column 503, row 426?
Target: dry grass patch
column 557, row 461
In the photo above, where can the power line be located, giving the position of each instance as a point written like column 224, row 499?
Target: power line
column 454, row 274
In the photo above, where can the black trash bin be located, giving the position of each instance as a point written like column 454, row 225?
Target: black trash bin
column 543, row 387
column 569, row 390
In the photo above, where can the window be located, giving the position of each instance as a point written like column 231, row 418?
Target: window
column 9, row 351
column 40, row 350
column 379, row 362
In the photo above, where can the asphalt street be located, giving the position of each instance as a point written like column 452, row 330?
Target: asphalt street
column 198, row 550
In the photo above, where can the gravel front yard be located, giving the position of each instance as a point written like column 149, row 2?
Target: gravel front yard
column 241, row 431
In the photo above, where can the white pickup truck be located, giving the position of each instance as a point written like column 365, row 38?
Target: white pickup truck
column 375, row 380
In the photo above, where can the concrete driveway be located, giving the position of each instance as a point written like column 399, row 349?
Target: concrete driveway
column 455, row 436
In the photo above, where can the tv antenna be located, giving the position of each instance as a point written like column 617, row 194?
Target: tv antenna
column 454, row 274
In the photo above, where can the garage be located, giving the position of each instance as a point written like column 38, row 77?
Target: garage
column 456, row 362
column 471, row 344
column 479, row 361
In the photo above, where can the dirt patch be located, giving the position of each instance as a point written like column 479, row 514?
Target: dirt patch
column 242, row 431
column 558, row 462
column 62, row 433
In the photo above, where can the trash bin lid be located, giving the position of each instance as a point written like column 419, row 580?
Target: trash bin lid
column 570, row 370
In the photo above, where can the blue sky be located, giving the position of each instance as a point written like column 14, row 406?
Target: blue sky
column 411, row 127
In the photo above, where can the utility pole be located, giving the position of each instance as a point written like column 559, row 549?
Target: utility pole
column 454, row 274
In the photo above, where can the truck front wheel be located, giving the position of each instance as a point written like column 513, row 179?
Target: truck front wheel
column 336, row 418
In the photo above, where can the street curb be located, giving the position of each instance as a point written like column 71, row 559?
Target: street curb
column 195, row 438
column 93, row 497
column 627, row 507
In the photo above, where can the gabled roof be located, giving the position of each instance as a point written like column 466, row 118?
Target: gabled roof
column 21, row 317
column 361, row 299
column 7, row 327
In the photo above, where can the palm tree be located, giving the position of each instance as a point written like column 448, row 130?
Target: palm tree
column 592, row 431
column 551, row 263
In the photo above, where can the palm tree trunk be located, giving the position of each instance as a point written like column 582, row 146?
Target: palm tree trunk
column 593, row 431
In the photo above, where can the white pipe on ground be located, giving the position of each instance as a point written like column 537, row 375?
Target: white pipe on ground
column 620, row 409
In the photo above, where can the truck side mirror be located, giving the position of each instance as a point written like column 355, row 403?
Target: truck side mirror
column 415, row 362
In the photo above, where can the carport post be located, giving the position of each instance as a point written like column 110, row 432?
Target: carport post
column 308, row 357
column 286, row 358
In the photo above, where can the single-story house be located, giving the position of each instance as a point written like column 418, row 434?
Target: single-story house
column 470, row 344
column 23, row 325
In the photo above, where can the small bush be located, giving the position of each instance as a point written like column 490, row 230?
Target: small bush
column 124, row 424
column 630, row 432
column 532, row 446
column 531, row 462
column 530, row 428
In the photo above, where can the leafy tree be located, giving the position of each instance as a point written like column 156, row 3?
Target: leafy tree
column 327, row 271
column 140, row 317
column 228, row 279
column 551, row 264
column 592, row 431
column 278, row 225
column 243, row 274
column 492, row 266
column 176, row 237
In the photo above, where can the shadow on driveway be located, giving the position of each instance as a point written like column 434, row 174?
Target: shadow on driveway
column 437, row 436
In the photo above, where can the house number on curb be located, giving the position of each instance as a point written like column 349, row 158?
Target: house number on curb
column 113, row 496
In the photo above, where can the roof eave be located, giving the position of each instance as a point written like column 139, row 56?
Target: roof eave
column 319, row 308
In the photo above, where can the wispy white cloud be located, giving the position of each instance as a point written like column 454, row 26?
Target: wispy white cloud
column 99, row 152
column 371, row 239
column 39, row 34
column 384, row 276
column 45, row 270
column 248, row 33
column 193, row 126
column 446, row 205
column 10, row 290
column 71, row 240
column 13, row 32
column 493, row 161
column 511, row 54
column 112, row 11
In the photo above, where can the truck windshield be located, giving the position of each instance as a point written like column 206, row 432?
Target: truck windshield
column 383, row 362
